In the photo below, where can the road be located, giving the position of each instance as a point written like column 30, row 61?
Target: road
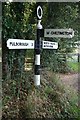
column 71, row 85
column 70, row 80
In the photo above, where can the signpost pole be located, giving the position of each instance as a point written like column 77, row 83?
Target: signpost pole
column 38, row 44
column 38, row 48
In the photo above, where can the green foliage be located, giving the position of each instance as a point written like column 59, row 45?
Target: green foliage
column 55, row 61
column 21, row 99
column 48, row 101
column 66, row 16
column 16, row 24
column 19, row 21
column 73, row 66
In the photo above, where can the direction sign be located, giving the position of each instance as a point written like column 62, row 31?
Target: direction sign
column 62, row 33
column 49, row 45
column 20, row 44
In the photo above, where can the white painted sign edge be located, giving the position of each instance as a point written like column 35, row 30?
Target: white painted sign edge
column 24, row 44
column 60, row 30
column 48, row 45
column 54, row 45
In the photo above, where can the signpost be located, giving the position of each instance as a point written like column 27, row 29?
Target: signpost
column 20, row 44
column 38, row 44
column 30, row 44
column 49, row 45
column 38, row 47
column 62, row 33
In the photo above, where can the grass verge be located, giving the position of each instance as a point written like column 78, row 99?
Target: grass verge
column 47, row 101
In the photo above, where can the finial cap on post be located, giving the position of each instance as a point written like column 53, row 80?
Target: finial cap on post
column 39, row 12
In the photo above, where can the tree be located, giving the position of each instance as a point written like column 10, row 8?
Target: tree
column 16, row 24
column 60, row 15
